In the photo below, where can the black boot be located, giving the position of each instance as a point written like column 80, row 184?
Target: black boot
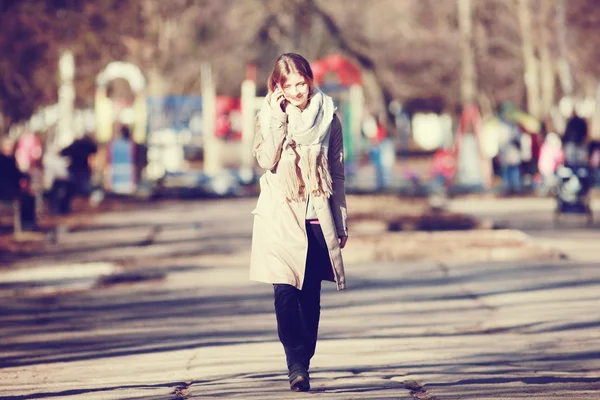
column 299, row 379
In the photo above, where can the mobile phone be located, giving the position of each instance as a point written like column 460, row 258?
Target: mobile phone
column 283, row 104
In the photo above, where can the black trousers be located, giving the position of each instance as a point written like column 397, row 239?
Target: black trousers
column 298, row 311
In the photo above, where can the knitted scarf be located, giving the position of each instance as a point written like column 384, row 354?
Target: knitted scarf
column 303, row 165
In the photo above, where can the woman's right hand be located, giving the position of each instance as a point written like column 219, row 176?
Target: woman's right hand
column 278, row 100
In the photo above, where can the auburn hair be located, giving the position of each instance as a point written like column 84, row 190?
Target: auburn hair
column 286, row 64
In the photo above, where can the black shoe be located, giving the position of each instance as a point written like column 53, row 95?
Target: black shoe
column 300, row 383
column 299, row 380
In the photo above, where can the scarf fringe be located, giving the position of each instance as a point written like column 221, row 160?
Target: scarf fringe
column 291, row 182
column 314, row 173
column 325, row 181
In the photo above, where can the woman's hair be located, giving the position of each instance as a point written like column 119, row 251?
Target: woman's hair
column 286, row 64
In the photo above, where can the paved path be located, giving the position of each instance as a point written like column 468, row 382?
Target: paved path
column 176, row 317
column 534, row 216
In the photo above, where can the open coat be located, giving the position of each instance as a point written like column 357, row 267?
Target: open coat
column 279, row 240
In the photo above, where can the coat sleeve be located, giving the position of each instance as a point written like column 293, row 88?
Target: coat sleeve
column 267, row 148
column 337, row 170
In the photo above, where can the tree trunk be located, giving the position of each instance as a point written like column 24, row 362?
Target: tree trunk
column 563, row 65
column 530, row 61
column 547, row 63
column 468, row 74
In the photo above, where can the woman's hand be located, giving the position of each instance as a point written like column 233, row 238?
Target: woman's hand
column 278, row 100
column 343, row 241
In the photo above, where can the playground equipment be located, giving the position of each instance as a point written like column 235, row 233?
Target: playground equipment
column 212, row 119
column 473, row 167
column 221, row 128
column 219, row 115
column 109, row 111
column 116, row 153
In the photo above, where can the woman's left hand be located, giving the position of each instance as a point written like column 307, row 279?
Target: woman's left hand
column 343, row 241
column 278, row 100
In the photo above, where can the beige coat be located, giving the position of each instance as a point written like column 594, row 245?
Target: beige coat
column 279, row 241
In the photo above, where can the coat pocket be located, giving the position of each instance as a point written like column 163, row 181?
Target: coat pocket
column 267, row 199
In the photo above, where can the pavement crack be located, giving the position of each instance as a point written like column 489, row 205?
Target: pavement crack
column 477, row 299
column 446, row 273
column 182, row 391
column 188, row 366
column 418, row 390
column 444, row 268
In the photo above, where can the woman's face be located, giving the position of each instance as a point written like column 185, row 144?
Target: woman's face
column 296, row 89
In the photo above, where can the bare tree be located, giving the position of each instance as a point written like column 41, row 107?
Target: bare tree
column 425, row 53
column 531, row 75
column 547, row 61
column 468, row 84
column 564, row 67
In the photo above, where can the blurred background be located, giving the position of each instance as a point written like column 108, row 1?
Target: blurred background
column 127, row 183
column 146, row 99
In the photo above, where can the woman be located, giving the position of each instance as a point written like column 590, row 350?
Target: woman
column 300, row 217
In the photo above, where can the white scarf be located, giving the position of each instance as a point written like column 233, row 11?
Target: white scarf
column 305, row 146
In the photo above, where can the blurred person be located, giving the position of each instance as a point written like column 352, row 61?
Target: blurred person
column 140, row 154
column 594, row 158
column 28, row 153
column 69, row 172
column 56, row 179
column 382, row 155
column 551, row 156
column 376, row 134
column 80, row 172
column 27, row 210
column 574, row 141
column 15, row 188
column 121, row 161
column 300, row 217
column 576, row 176
column 509, row 155
column 10, row 176
column 594, row 154
column 443, row 168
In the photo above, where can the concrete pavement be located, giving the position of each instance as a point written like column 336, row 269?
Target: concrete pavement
column 176, row 317
column 534, row 217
